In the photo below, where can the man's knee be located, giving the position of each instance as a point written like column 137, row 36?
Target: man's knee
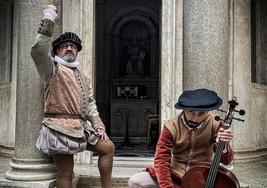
column 132, row 182
column 109, row 148
column 142, row 180
column 135, row 180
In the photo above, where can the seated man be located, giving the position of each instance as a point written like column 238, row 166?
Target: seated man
column 185, row 140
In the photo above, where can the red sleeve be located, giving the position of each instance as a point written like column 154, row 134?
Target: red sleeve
column 162, row 159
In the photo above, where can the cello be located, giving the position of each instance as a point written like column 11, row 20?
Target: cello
column 212, row 175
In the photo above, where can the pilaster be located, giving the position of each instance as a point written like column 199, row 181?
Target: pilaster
column 171, row 78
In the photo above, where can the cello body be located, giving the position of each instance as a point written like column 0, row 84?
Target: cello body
column 197, row 175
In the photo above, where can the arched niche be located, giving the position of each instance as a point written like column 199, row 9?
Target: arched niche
column 134, row 40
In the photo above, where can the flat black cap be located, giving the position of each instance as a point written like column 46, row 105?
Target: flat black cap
column 67, row 37
column 199, row 100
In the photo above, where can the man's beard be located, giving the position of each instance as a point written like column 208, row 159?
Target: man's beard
column 68, row 57
column 192, row 124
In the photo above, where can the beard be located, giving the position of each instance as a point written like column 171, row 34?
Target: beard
column 192, row 123
column 68, row 57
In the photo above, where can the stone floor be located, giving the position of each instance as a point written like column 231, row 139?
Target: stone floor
column 252, row 175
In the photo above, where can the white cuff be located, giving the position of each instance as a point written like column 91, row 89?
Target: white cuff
column 50, row 14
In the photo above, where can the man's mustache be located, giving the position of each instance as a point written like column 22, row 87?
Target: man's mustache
column 68, row 53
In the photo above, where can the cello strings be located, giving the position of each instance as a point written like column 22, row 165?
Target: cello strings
column 215, row 165
column 213, row 169
column 217, row 162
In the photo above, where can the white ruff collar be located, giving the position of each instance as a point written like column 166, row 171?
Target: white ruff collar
column 63, row 62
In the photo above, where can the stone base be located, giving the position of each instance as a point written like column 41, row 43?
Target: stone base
column 21, row 184
column 31, row 170
column 6, row 150
column 250, row 156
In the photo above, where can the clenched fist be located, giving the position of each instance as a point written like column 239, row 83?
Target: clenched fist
column 51, row 7
column 50, row 12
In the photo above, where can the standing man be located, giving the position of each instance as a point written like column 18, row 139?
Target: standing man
column 68, row 101
column 188, row 138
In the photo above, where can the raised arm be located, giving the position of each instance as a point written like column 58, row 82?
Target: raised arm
column 40, row 50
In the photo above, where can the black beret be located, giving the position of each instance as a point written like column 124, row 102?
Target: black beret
column 67, row 37
column 199, row 100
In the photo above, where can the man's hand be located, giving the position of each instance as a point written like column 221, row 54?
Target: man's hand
column 51, row 7
column 50, row 12
column 225, row 135
column 103, row 134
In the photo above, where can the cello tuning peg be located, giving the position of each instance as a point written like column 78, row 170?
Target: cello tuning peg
column 217, row 118
column 241, row 112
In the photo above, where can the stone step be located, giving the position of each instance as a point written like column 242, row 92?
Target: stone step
column 94, row 182
column 136, row 162
column 123, row 168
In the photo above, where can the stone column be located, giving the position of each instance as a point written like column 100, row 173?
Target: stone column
column 206, row 42
column 171, row 77
column 28, row 164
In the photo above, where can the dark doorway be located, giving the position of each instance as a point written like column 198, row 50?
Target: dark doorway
column 259, row 41
column 127, row 63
